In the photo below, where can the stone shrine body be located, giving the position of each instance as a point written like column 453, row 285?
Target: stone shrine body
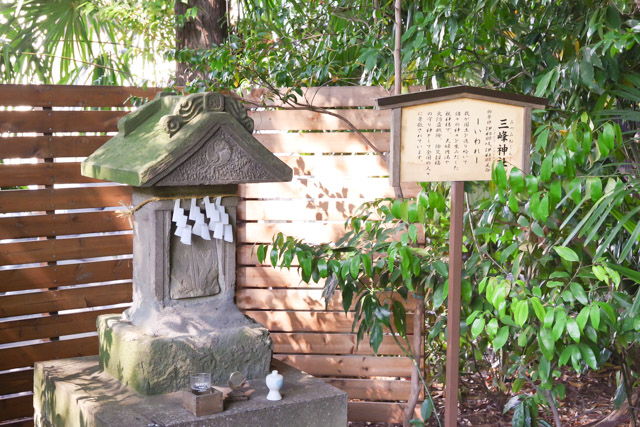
column 184, row 155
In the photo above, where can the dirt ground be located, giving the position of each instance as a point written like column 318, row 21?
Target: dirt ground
column 588, row 400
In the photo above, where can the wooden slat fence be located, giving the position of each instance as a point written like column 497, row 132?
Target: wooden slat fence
column 65, row 254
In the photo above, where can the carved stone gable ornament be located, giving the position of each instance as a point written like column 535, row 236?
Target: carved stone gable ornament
column 180, row 135
column 197, row 103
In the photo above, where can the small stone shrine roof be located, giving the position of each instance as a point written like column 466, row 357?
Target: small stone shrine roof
column 456, row 92
column 198, row 139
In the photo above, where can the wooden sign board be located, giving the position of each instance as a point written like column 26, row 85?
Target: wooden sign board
column 458, row 133
column 460, row 140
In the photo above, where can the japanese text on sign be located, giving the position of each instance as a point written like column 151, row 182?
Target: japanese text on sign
column 459, row 140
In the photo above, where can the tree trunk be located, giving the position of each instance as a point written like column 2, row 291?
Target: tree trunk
column 209, row 27
column 418, row 348
column 397, row 65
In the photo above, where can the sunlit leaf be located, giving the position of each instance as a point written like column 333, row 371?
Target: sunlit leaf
column 566, row 253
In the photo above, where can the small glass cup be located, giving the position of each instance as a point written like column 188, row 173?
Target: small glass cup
column 200, row 382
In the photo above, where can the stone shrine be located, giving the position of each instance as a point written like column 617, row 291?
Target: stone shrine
column 183, row 154
column 184, row 157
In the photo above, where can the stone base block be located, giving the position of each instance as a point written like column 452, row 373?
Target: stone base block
column 76, row 392
column 161, row 364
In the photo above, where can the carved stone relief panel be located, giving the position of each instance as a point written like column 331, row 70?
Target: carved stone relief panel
column 193, row 269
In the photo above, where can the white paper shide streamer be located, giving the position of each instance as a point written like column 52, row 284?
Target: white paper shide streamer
column 214, row 212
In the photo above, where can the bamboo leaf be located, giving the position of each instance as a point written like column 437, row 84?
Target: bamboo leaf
column 633, row 239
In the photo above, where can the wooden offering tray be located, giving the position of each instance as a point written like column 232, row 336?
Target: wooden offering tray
column 203, row 403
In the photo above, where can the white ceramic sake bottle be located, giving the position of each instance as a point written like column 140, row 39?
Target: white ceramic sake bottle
column 274, row 383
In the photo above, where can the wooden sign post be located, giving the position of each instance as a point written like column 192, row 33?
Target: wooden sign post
column 457, row 134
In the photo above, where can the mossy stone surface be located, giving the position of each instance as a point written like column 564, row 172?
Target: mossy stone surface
column 197, row 129
column 162, row 364
column 76, row 392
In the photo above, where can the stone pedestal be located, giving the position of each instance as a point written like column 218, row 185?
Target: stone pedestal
column 161, row 364
column 76, row 392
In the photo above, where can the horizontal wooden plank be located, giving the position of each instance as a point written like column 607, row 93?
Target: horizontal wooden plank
column 297, row 210
column 273, row 280
column 331, row 166
column 115, row 96
column 362, row 119
column 64, row 299
column 246, row 256
column 325, row 96
column 63, row 249
column 267, row 277
column 17, row 227
column 326, row 188
column 329, row 343
column 307, row 321
column 71, row 96
column 42, row 174
column 50, row 146
column 16, row 381
column 285, row 299
column 303, row 321
column 312, row 232
column 283, row 289
column 49, row 326
column 106, row 121
column 16, row 407
column 372, row 389
column 69, row 173
column 324, row 142
column 301, row 299
column 351, row 366
column 60, row 121
column 63, row 275
column 385, row 412
column 26, row 356
column 64, row 198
